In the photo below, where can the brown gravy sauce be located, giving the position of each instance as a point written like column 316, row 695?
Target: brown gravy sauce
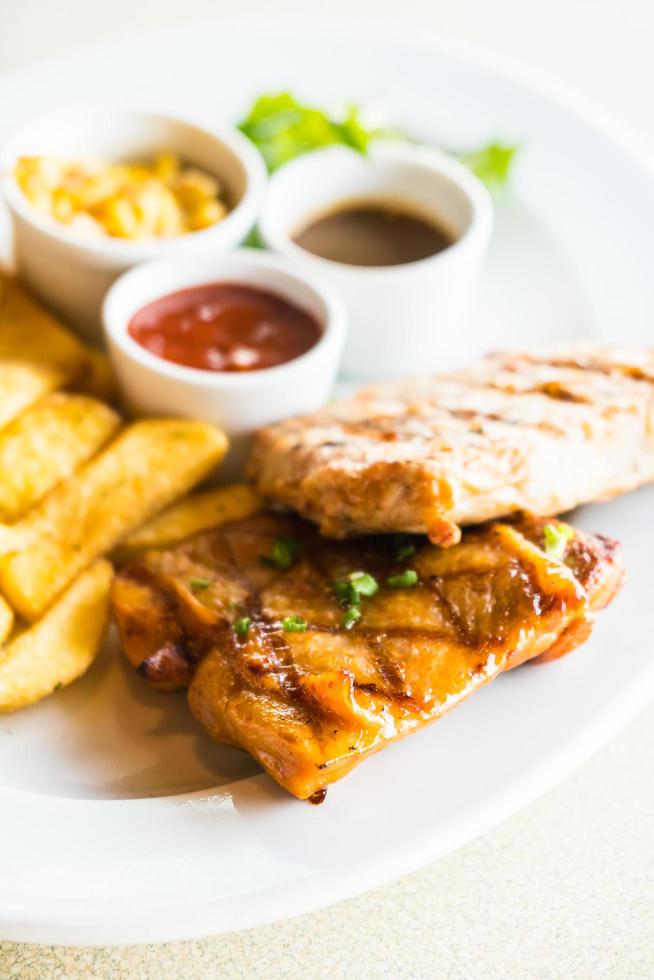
column 367, row 233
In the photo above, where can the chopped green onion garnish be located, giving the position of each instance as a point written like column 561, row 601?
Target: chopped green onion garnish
column 283, row 553
column 351, row 617
column 363, row 583
column 404, row 547
column 349, row 591
column 557, row 537
column 404, row 580
column 345, row 592
column 294, row 624
column 199, row 583
column 241, row 626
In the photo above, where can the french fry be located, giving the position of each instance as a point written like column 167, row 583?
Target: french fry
column 197, row 512
column 46, row 444
column 22, row 384
column 99, row 379
column 146, row 468
column 61, row 646
column 30, row 334
column 6, row 619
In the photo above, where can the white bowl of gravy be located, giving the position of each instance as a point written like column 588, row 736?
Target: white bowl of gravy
column 400, row 233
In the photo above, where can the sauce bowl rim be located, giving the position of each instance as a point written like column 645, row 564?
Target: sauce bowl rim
column 124, row 250
column 116, row 322
column 280, row 240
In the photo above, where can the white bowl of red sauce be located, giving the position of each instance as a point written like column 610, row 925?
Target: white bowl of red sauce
column 71, row 264
column 240, row 340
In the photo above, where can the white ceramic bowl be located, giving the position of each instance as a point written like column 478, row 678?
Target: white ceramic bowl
column 402, row 318
column 238, row 402
column 72, row 273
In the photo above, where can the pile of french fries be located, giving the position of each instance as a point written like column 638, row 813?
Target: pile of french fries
column 77, row 484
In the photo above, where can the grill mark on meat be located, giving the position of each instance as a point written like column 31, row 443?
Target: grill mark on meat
column 516, row 431
column 306, row 709
column 400, row 697
column 551, row 390
column 471, row 420
column 386, row 667
column 436, row 585
column 269, row 634
column 392, row 632
column 586, row 365
column 541, row 603
column 372, row 428
column 558, row 392
column 472, row 414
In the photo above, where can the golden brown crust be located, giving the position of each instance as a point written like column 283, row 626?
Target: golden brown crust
column 310, row 705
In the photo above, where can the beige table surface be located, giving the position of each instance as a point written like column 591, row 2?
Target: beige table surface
column 565, row 888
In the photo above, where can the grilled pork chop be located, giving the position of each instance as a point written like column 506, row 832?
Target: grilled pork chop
column 515, row 432
column 311, row 654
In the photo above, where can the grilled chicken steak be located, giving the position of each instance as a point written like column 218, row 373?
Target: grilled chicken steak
column 514, row 432
column 311, row 654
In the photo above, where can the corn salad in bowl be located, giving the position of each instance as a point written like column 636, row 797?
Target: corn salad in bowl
column 145, row 199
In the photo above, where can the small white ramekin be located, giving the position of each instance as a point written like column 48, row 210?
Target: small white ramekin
column 402, row 318
column 239, row 402
column 70, row 272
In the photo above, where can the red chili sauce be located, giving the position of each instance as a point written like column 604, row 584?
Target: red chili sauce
column 225, row 327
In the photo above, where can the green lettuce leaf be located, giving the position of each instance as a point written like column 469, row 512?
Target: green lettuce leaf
column 491, row 163
column 282, row 128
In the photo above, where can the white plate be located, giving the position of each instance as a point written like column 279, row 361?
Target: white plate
column 95, row 847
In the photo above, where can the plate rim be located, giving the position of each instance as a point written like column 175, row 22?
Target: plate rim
column 537, row 80
column 135, row 926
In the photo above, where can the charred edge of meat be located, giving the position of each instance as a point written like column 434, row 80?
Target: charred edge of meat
column 170, row 666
